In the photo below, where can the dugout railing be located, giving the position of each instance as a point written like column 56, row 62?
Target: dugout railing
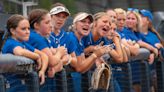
column 125, row 74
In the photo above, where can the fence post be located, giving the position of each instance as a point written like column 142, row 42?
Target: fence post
column 145, row 76
column 32, row 82
column 64, row 80
column 160, row 76
column 2, row 84
column 123, row 74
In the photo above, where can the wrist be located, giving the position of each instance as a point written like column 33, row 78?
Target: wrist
column 69, row 61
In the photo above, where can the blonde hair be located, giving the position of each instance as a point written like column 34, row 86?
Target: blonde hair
column 99, row 15
column 139, row 21
column 120, row 11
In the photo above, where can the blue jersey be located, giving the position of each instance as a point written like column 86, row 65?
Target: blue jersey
column 11, row 43
column 130, row 35
column 37, row 41
column 79, row 45
column 150, row 38
column 63, row 39
column 88, row 40
column 121, row 33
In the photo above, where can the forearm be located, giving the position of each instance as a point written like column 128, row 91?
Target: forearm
column 26, row 53
column 88, row 50
column 146, row 45
column 119, row 52
column 44, row 59
column 125, row 55
column 84, row 64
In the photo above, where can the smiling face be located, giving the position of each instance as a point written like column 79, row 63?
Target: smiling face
column 83, row 27
column 131, row 21
column 102, row 25
column 22, row 31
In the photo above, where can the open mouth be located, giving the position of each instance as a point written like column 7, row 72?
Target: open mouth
column 104, row 29
column 85, row 29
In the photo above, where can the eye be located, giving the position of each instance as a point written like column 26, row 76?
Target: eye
column 23, row 29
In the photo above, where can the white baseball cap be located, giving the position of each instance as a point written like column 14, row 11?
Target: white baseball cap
column 59, row 9
column 82, row 15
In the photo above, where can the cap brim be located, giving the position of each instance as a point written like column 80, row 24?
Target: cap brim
column 59, row 9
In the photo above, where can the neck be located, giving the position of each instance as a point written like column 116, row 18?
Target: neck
column 95, row 35
column 56, row 31
column 37, row 31
column 120, row 28
column 145, row 30
column 78, row 35
column 16, row 39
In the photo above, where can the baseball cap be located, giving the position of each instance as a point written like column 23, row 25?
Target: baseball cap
column 59, row 9
column 82, row 15
column 146, row 13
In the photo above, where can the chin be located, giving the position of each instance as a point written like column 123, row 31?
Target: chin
column 26, row 39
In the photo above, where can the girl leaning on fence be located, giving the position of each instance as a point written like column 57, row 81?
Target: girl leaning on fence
column 149, row 34
column 40, row 23
column 18, row 28
column 80, row 28
column 59, row 37
column 131, row 49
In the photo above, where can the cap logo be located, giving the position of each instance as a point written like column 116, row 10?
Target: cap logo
column 58, row 9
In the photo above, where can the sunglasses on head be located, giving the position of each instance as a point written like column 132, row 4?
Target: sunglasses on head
column 133, row 9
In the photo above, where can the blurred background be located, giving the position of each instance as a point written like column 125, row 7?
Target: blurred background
column 9, row 7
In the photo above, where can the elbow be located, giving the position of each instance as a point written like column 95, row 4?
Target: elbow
column 18, row 53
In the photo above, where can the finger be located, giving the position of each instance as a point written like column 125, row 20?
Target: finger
column 101, row 43
column 42, row 79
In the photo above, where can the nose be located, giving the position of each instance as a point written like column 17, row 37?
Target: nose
column 27, row 31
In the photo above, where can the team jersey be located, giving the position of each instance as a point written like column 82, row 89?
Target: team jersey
column 11, row 43
column 37, row 41
column 79, row 45
column 150, row 38
column 88, row 40
column 130, row 35
column 121, row 33
column 63, row 39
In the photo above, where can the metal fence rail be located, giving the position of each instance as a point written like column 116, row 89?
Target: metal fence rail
column 62, row 82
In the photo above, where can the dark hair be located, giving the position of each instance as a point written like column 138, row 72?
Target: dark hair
column 13, row 21
column 36, row 15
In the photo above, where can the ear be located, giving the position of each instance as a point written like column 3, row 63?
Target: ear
column 36, row 26
column 12, row 30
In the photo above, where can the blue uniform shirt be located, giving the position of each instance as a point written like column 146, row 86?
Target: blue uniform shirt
column 150, row 38
column 63, row 39
column 88, row 40
column 121, row 33
column 130, row 35
column 11, row 43
column 37, row 41
column 79, row 45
